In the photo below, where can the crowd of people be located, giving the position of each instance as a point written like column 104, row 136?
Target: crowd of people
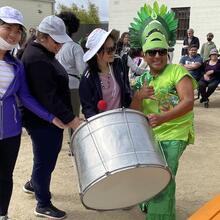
column 46, row 78
column 203, row 66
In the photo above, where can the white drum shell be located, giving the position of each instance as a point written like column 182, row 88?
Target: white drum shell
column 118, row 162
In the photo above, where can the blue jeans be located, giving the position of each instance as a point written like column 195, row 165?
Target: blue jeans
column 47, row 143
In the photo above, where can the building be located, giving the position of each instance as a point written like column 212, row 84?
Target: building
column 33, row 10
column 202, row 16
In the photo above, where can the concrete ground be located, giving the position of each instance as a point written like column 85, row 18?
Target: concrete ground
column 197, row 180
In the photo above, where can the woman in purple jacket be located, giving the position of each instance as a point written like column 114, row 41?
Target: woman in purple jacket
column 12, row 87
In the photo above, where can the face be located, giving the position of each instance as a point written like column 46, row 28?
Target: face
column 51, row 44
column 107, row 52
column 126, row 39
column 209, row 38
column 190, row 33
column 156, row 59
column 32, row 31
column 11, row 33
column 193, row 51
column 214, row 57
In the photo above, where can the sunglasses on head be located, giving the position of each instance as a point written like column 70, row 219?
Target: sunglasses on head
column 161, row 52
column 109, row 50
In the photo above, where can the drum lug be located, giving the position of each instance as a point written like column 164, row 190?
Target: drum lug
column 107, row 173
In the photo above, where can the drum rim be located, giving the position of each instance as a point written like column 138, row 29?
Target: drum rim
column 83, row 192
column 102, row 114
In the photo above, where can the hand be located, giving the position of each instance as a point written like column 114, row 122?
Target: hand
column 155, row 119
column 206, row 77
column 56, row 121
column 146, row 92
column 75, row 123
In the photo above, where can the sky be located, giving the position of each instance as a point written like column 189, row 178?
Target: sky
column 102, row 5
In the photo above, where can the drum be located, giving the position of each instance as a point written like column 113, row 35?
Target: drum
column 118, row 162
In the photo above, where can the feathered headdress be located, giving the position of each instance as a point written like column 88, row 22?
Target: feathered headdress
column 156, row 19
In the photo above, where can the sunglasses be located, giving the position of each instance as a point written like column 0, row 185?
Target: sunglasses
column 109, row 50
column 161, row 52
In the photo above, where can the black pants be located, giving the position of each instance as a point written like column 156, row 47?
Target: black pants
column 206, row 88
column 47, row 143
column 9, row 148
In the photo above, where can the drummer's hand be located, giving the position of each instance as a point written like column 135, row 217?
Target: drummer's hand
column 146, row 92
column 56, row 121
column 155, row 119
column 75, row 123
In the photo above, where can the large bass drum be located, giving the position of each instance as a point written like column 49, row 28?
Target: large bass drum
column 118, row 162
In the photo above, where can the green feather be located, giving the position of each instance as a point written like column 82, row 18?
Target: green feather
column 143, row 24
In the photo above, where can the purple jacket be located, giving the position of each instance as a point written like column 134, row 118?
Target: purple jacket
column 10, row 117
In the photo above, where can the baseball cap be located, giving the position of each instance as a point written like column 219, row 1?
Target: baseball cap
column 95, row 41
column 11, row 15
column 55, row 27
column 155, row 40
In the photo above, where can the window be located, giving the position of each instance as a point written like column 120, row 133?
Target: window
column 183, row 15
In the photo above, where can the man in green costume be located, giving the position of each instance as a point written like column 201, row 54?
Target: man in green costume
column 165, row 95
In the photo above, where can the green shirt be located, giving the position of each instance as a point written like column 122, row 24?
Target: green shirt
column 166, row 98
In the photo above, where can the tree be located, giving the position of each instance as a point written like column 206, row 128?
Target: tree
column 86, row 16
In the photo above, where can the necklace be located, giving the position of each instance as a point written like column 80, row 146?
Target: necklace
column 105, row 81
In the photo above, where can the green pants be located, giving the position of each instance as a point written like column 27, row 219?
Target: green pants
column 163, row 206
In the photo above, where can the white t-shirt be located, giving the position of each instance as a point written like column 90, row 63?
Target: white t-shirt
column 71, row 57
column 6, row 76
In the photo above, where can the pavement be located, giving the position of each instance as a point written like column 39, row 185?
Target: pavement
column 197, row 179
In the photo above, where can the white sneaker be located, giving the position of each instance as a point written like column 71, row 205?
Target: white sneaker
column 5, row 217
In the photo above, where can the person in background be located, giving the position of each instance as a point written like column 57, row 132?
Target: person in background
column 32, row 32
column 165, row 95
column 123, row 45
column 211, row 78
column 188, row 41
column 207, row 47
column 13, row 86
column 105, row 78
column 71, row 57
column 193, row 62
column 136, row 55
column 48, row 82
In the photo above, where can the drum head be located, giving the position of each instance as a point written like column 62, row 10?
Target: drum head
column 126, row 188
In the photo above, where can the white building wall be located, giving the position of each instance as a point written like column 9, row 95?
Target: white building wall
column 204, row 17
column 33, row 10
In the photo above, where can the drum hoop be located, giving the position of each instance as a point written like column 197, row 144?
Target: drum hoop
column 83, row 192
column 102, row 114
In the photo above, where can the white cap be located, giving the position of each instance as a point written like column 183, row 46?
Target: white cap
column 11, row 15
column 95, row 41
column 55, row 27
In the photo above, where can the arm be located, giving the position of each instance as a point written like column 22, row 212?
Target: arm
column 192, row 66
column 144, row 93
column 29, row 101
column 43, row 82
column 185, row 92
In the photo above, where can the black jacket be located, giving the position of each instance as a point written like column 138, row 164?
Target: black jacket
column 91, row 93
column 194, row 41
column 48, row 83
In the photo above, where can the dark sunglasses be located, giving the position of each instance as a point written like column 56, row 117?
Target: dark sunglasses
column 109, row 50
column 152, row 53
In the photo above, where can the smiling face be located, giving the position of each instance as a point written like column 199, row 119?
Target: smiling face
column 11, row 33
column 156, row 59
